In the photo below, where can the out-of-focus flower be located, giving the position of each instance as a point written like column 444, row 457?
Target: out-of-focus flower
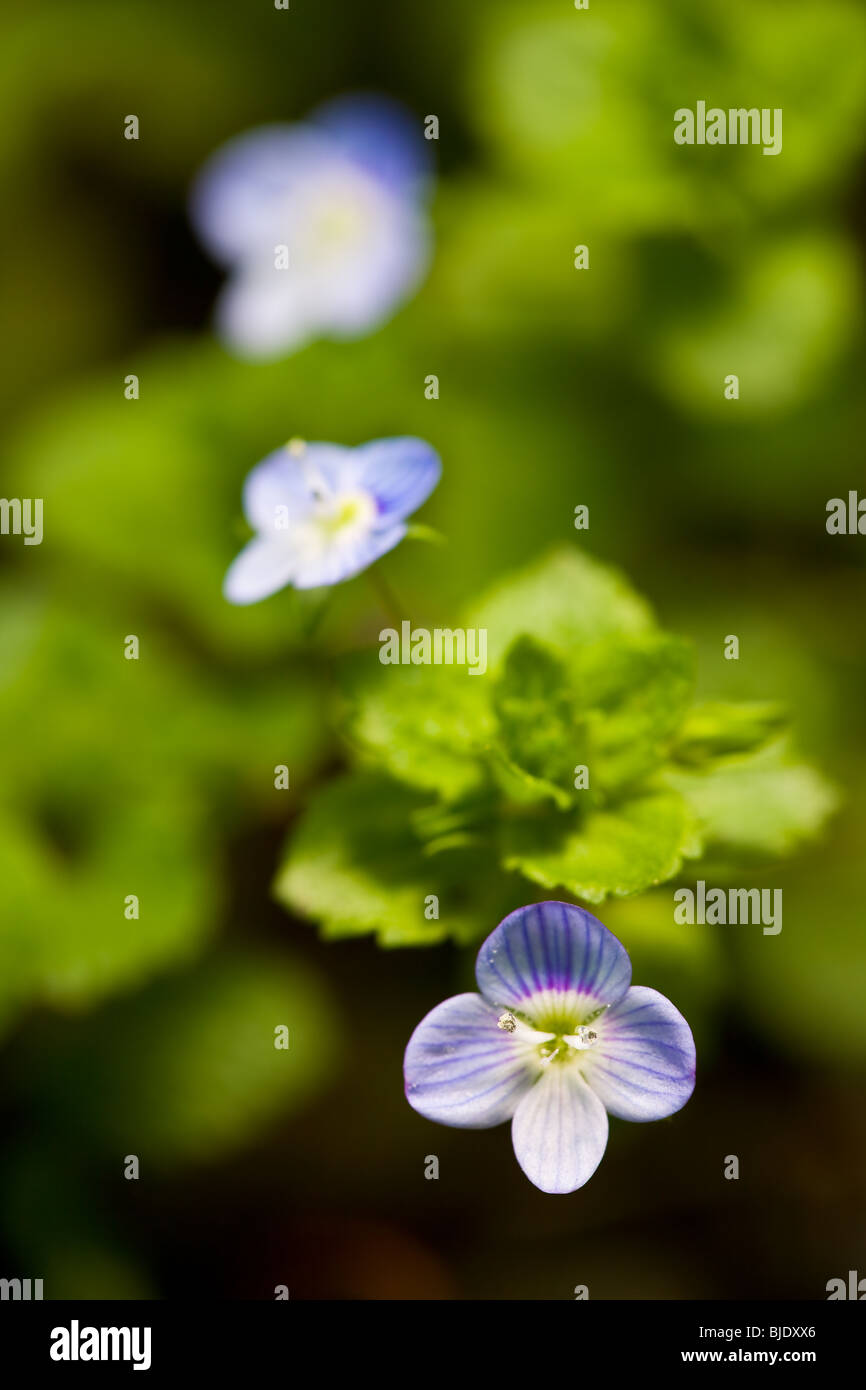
column 555, row 1040
column 322, row 225
column 322, row 512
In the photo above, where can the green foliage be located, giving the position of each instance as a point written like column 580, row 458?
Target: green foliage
column 559, row 386
column 784, row 319
column 714, row 730
column 538, row 717
column 631, row 846
column 637, row 691
column 361, row 863
column 760, row 807
column 120, row 780
column 566, row 600
column 187, row 1070
column 818, row 975
column 467, row 779
column 558, row 96
column 426, row 725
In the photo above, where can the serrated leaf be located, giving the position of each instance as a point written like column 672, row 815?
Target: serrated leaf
column 764, row 805
column 429, row 726
column 718, row 730
column 541, row 731
column 356, row 865
column 638, row 688
column 433, row 726
column 604, row 852
column 566, row 600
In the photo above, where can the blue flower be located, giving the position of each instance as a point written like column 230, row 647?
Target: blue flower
column 554, row 1042
column 322, row 225
column 322, row 512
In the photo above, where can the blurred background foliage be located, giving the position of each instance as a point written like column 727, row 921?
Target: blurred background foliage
column 602, row 387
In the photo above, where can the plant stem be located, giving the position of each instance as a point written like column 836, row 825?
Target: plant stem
column 385, row 594
column 315, row 614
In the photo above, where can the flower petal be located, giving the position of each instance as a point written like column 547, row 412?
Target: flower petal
column 266, row 310
column 559, row 1130
column 643, row 1065
column 284, row 480
column 400, row 473
column 263, row 567
column 243, row 200
column 379, row 135
column 344, row 556
column 462, row 1069
column 553, row 962
column 262, row 312
column 355, row 290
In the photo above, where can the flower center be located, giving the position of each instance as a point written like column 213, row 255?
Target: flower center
column 336, row 514
column 564, row 1049
column 560, row 1031
column 336, row 219
column 337, row 224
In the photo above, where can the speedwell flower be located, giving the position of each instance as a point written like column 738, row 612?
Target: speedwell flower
column 322, row 225
column 322, row 512
column 554, row 1042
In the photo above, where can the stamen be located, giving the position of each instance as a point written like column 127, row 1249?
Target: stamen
column 585, row 1037
column 507, row 1022
column 319, row 489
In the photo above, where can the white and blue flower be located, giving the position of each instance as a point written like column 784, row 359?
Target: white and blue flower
column 322, row 225
column 556, row 1040
column 323, row 512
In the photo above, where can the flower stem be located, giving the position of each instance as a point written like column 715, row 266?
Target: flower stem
column 315, row 613
column 385, row 594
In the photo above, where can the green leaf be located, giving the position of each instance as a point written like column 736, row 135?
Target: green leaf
column 357, row 864
column 66, row 940
column 763, row 806
column 95, row 731
column 122, row 775
column 619, row 851
column 434, row 726
column 429, row 726
column 566, row 600
column 718, row 730
column 787, row 312
column 417, row 531
column 638, row 688
column 189, row 1065
column 32, row 895
column 540, row 727
column 555, row 96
